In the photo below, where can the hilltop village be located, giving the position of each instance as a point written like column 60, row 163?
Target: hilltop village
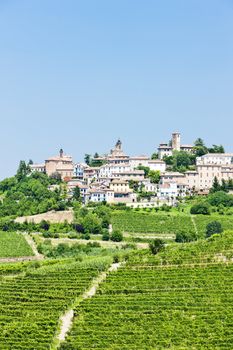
column 173, row 172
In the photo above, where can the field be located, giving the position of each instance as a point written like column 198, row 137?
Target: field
column 202, row 220
column 161, row 223
column 13, row 245
column 32, row 302
column 149, row 306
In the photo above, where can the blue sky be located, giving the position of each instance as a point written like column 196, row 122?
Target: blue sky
column 79, row 74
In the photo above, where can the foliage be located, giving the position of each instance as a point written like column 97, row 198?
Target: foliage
column 116, row 236
column 200, row 208
column 213, row 227
column 156, row 246
column 29, row 195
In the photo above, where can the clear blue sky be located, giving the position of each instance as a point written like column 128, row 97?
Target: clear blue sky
column 79, row 74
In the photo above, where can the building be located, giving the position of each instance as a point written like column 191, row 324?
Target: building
column 166, row 149
column 61, row 164
column 40, row 168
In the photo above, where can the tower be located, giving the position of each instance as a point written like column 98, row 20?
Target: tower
column 176, row 141
column 61, row 153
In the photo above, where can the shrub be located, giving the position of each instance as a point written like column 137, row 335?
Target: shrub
column 201, row 208
column 156, row 246
column 105, row 236
column 182, row 237
column 116, row 259
column 116, row 236
column 86, row 236
column 212, row 228
column 44, row 225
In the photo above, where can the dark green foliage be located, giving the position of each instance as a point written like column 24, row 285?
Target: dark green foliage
column 213, row 227
column 156, row 246
column 200, row 208
column 183, row 237
column 44, row 225
column 221, row 198
column 116, row 236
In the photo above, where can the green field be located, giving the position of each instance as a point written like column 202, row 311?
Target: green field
column 13, row 245
column 146, row 306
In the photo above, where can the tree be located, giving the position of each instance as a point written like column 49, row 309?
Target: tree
column 76, row 194
column 87, row 159
column 156, row 246
column 216, row 186
column 145, row 168
column 181, row 159
column 116, row 236
column 200, row 208
column 92, row 224
column 216, row 149
column 199, row 142
column 184, row 236
column 154, row 176
column 23, row 170
column 213, row 228
column 155, row 155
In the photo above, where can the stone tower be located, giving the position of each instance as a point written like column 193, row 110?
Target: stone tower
column 176, row 141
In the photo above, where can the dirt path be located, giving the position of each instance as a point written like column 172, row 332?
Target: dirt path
column 32, row 244
column 67, row 319
column 195, row 226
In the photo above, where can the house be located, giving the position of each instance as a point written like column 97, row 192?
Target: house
column 40, row 168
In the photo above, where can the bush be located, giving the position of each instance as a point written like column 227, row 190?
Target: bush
column 116, row 259
column 182, row 237
column 78, row 227
column 116, row 236
column 106, row 236
column 201, row 208
column 156, row 246
column 44, row 225
column 86, row 236
column 213, row 228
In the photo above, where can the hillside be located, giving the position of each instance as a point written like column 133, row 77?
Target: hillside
column 153, row 303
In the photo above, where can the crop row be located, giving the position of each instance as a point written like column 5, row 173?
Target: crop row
column 30, row 305
column 139, row 308
column 152, row 223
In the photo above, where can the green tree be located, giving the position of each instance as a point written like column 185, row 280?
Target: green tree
column 145, row 168
column 87, row 159
column 92, row 224
column 156, row 246
column 154, row 176
column 216, row 186
column 76, row 194
column 155, row 155
column 23, row 170
column 200, row 208
column 116, row 236
column 213, row 228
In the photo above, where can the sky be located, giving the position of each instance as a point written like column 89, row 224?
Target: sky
column 78, row 75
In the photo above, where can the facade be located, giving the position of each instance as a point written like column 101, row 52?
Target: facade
column 40, row 168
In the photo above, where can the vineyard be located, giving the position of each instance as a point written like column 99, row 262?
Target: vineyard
column 32, row 301
column 202, row 220
column 13, row 245
column 149, row 306
column 152, row 223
